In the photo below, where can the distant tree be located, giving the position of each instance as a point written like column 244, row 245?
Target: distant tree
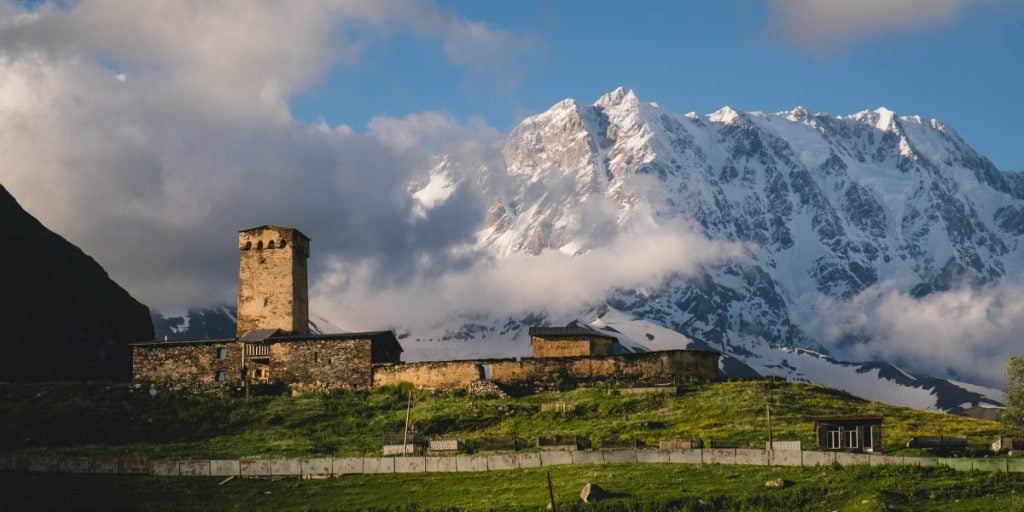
column 1014, row 414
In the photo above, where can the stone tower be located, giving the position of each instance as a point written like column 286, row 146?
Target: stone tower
column 272, row 285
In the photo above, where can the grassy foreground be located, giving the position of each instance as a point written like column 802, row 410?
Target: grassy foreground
column 107, row 419
column 636, row 487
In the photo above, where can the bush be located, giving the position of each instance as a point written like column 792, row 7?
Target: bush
column 1014, row 415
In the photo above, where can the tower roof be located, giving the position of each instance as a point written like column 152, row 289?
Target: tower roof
column 271, row 226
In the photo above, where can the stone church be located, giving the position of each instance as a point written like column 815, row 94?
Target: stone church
column 273, row 343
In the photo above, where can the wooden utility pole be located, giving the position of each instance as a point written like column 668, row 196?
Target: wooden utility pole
column 771, row 442
column 405, row 438
column 245, row 369
column 551, row 493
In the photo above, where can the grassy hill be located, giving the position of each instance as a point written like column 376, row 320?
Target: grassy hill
column 102, row 418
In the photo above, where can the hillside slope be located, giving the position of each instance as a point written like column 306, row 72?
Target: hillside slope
column 97, row 419
column 63, row 317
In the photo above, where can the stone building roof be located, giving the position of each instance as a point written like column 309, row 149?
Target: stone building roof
column 569, row 332
column 385, row 338
column 182, row 342
column 259, row 335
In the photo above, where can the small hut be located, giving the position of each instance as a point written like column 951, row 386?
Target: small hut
column 853, row 433
column 1007, row 444
column 571, row 341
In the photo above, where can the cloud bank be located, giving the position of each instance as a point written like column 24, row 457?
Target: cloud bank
column 822, row 26
column 964, row 333
column 149, row 132
column 552, row 281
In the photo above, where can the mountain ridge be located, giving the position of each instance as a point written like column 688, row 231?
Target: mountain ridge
column 836, row 208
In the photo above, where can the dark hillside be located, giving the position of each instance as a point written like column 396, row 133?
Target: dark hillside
column 63, row 317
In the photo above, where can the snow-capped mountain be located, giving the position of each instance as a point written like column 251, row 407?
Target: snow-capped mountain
column 215, row 323
column 827, row 206
column 831, row 213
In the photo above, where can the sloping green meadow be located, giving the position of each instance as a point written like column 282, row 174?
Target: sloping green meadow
column 107, row 419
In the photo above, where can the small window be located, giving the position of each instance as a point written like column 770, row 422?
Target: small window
column 284, row 243
column 316, row 357
column 833, row 439
column 222, row 353
column 259, row 245
column 270, row 245
column 219, row 376
column 248, row 246
column 851, row 439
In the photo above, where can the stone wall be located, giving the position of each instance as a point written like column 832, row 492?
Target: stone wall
column 322, row 364
column 324, row 466
column 189, row 367
column 662, row 366
column 272, row 280
column 527, row 373
column 430, row 375
column 570, row 346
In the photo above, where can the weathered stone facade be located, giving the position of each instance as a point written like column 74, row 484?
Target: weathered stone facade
column 544, row 347
column 440, row 375
column 660, row 367
column 272, row 280
column 207, row 366
column 326, row 362
column 570, row 342
column 298, row 363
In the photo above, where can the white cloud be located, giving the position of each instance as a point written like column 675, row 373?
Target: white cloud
column 821, row 26
column 972, row 331
column 551, row 281
column 152, row 174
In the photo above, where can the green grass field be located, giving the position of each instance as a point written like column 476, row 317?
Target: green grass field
column 106, row 419
column 636, row 487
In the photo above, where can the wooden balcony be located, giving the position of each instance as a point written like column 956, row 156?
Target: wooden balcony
column 257, row 350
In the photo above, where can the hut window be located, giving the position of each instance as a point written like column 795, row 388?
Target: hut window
column 222, row 353
column 219, row 376
column 851, row 439
column 248, row 245
column 316, row 357
column 833, row 439
column 259, row 245
column 270, row 245
column 284, row 243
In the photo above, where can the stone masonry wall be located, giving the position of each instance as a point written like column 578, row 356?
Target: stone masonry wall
column 188, row 367
column 429, row 375
column 272, row 282
column 650, row 366
column 569, row 347
column 320, row 365
column 663, row 366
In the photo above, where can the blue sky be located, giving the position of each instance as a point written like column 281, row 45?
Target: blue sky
column 965, row 69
